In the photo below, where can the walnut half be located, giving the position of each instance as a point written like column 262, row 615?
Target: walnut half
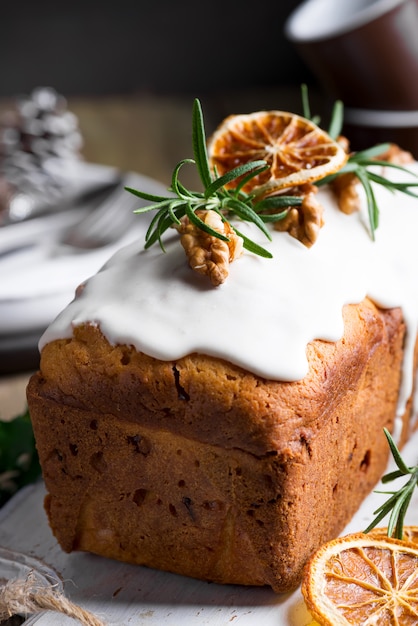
column 207, row 254
column 345, row 188
column 304, row 222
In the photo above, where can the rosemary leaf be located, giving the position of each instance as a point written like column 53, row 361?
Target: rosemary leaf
column 397, row 504
column 251, row 246
column 396, row 454
column 369, row 153
column 195, row 219
column 380, row 514
column 337, row 117
column 245, row 179
column 387, row 478
column 277, row 202
column 396, row 166
column 152, row 207
column 172, row 213
column 161, row 223
column 176, row 186
column 372, row 208
column 402, row 513
column 395, row 517
column 306, row 108
column 145, row 196
column 237, row 172
column 199, row 144
column 274, row 217
column 248, row 214
column 392, row 185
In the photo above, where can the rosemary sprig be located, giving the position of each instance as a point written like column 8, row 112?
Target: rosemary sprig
column 358, row 163
column 337, row 114
column 337, row 119
column 215, row 196
column 398, row 502
column 246, row 206
column 306, row 107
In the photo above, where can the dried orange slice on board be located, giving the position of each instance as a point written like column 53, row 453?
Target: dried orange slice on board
column 296, row 149
column 410, row 533
column 360, row 580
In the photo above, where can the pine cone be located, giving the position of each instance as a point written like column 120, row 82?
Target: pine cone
column 39, row 129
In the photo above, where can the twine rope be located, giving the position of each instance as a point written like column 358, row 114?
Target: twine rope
column 29, row 596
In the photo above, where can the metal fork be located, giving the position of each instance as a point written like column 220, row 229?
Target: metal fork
column 108, row 222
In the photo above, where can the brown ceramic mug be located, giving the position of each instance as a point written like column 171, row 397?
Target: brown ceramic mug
column 364, row 52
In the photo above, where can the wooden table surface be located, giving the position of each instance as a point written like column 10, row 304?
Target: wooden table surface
column 150, row 133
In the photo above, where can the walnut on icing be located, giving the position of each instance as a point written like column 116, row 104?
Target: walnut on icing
column 212, row 256
column 240, row 180
column 395, row 154
column 346, row 185
column 207, row 254
column 345, row 188
column 304, row 222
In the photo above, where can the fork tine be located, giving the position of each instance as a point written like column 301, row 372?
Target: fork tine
column 107, row 222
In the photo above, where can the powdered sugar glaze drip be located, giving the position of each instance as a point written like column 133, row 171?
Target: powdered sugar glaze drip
column 267, row 311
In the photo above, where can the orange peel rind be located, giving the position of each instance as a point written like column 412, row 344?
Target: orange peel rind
column 363, row 580
column 297, row 151
column 410, row 533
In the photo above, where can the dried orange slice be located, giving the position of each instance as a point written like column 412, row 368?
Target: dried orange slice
column 363, row 580
column 296, row 149
column 410, row 533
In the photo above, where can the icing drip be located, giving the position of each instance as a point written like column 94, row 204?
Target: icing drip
column 267, row 311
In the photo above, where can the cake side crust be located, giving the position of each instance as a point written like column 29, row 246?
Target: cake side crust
column 210, row 400
column 200, row 468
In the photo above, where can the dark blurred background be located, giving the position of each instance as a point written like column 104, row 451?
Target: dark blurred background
column 125, row 47
column 130, row 70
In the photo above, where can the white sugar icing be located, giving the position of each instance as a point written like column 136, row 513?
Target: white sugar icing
column 267, row 311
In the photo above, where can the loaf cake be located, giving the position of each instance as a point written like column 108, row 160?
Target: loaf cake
column 225, row 433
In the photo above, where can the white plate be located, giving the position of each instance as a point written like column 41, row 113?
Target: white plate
column 36, row 285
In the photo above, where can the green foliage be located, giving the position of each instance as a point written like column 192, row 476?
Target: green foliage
column 216, row 197
column 19, row 463
column 397, row 504
column 226, row 202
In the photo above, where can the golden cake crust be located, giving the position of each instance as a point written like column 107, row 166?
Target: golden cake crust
column 199, row 467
